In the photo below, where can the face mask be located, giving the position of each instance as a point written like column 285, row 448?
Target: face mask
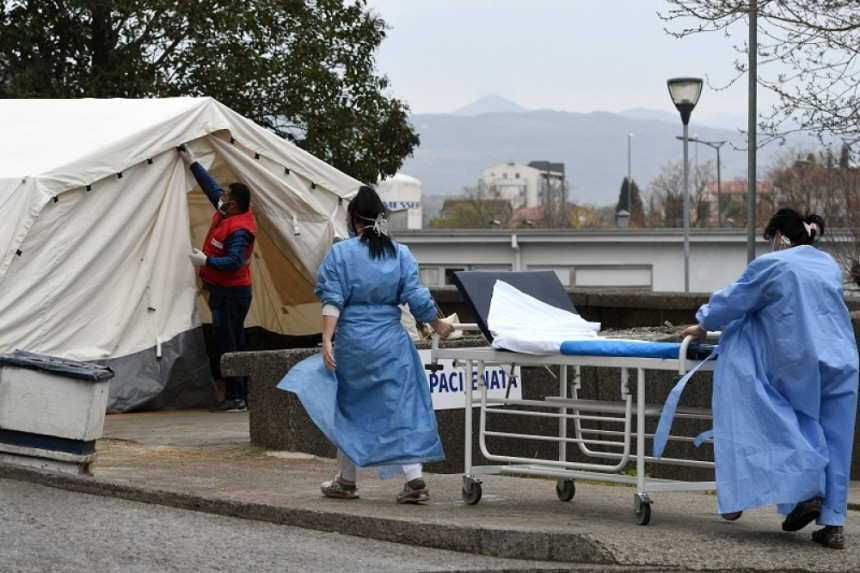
column 221, row 208
column 783, row 243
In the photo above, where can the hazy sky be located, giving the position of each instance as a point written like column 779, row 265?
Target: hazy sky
column 568, row 55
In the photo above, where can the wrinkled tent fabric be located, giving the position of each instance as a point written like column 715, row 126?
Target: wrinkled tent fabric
column 99, row 222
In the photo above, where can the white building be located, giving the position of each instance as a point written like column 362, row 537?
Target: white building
column 402, row 195
column 536, row 184
column 514, row 182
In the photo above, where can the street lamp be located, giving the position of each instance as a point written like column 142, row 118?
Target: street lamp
column 629, row 175
column 685, row 94
column 715, row 145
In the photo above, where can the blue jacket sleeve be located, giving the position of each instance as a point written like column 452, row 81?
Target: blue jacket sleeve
column 237, row 246
column 328, row 288
column 207, row 183
column 412, row 292
column 747, row 294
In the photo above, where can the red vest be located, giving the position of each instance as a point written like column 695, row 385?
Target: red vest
column 221, row 228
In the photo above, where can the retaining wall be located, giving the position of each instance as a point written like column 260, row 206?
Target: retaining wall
column 279, row 422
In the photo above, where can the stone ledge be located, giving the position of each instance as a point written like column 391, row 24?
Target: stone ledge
column 279, row 422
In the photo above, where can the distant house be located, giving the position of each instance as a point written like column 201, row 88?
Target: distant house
column 729, row 192
column 538, row 183
column 528, row 217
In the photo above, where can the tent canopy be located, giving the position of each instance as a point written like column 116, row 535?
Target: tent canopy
column 99, row 217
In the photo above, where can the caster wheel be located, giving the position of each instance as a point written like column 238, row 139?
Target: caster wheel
column 472, row 495
column 643, row 514
column 565, row 489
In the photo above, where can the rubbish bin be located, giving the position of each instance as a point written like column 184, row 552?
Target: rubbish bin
column 52, row 410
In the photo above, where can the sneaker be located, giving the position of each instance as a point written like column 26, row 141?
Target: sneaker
column 830, row 536
column 802, row 515
column 234, row 405
column 414, row 491
column 338, row 490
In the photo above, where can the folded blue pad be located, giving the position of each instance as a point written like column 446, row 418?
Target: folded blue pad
column 621, row 348
column 634, row 349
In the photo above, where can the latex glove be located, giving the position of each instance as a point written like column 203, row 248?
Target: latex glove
column 198, row 259
column 443, row 327
column 698, row 332
column 186, row 154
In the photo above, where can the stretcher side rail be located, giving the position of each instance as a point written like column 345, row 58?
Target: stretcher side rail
column 607, row 406
column 622, row 438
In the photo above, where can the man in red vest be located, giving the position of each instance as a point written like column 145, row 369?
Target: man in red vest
column 225, row 270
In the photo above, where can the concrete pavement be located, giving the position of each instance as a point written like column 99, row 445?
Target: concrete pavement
column 202, row 461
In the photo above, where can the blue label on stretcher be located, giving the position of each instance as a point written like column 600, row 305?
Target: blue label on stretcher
column 447, row 385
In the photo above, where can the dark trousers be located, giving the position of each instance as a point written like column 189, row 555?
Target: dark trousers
column 228, row 332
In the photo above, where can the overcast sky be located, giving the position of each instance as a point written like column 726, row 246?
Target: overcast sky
column 567, row 55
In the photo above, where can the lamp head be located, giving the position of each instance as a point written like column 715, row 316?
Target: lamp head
column 685, row 94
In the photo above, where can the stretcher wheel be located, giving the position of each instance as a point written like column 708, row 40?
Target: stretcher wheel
column 471, row 491
column 642, row 508
column 643, row 514
column 731, row 516
column 565, row 489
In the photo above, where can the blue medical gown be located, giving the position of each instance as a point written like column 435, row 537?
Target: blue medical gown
column 376, row 406
column 785, row 385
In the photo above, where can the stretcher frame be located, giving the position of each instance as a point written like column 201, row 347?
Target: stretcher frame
column 570, row 408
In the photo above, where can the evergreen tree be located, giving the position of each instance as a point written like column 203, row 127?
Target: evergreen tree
column 633, row 206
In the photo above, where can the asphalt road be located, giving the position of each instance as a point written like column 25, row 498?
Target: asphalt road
column 47, row 530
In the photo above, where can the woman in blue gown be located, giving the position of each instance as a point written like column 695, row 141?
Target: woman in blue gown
column 785, row 384
column 379, row 411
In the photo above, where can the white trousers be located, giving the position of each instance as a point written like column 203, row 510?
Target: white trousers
column 347, row 470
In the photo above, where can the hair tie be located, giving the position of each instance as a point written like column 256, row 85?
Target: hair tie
column 380, row 224
column 811, row 228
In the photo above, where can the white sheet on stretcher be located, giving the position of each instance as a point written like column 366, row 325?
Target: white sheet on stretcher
column 522, row 323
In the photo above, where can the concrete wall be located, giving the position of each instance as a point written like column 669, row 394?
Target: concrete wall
column 278, row 420
column 642, row 259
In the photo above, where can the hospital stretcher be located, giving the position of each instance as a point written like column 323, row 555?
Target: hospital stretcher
column 587, row 423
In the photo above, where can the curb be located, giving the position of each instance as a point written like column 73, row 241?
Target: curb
column 488, row 541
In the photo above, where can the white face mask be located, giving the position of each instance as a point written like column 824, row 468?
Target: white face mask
column 782, row 243
column 221, row 204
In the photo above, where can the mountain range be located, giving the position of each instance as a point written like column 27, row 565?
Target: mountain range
column 593, row 146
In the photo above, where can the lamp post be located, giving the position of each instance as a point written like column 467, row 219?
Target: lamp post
column 685, row 94
column 715, row 145
column 629, row 175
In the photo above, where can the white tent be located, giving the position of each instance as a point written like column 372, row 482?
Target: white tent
column 99, row 214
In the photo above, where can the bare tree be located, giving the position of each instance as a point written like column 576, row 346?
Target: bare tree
column 816, row 41
column 667, row 195
column 812, row 181
column 800, row 181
